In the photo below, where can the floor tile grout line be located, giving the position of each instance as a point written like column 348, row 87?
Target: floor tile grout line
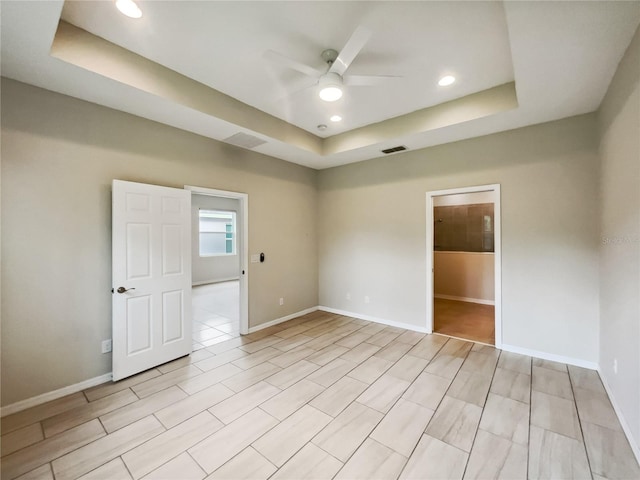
column 475, row 435
column 580, row 421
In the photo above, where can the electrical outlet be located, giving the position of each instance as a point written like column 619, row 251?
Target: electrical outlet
column 106, row 346
column 366, row 299
column 615, row 366
column 281, row 301
column 348, row 296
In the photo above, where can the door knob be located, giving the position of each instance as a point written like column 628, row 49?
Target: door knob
column 122, row 289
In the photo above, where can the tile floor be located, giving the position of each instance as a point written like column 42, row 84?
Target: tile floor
column 470, row 321
column 216, row 314
column 325, row 396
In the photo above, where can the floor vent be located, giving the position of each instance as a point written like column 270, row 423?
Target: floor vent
column 399, row 148
column 244, row 140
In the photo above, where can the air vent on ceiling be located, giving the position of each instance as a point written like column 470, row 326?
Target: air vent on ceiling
column 399, row 148
column 244, row 140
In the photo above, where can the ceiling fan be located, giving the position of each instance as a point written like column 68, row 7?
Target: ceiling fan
column 333, row 79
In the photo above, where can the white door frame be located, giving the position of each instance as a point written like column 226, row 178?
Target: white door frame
column 243, row 247
column 497, row 255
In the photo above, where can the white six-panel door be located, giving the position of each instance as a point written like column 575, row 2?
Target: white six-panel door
column 151, row 248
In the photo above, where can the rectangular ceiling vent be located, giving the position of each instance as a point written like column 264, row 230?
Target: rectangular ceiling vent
column 244, row 140
column 399, row 148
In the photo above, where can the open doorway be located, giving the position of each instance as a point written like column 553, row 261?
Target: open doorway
column 463, row 257
column 219, row 286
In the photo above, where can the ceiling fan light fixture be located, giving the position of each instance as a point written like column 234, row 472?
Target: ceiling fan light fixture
column 330, row 87
column 129, row 8
column 446, row 80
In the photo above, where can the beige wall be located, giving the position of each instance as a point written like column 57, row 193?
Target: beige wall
column 59, row 156
column 467, row 276
column 619, row 125
column 372, row 227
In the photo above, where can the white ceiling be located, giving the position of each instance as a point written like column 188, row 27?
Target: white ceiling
column 561, row 56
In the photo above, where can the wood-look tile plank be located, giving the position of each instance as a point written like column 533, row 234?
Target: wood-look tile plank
column 309, row 463
column 383, row 338
column 41, row 473
column 222, row 446
column 595, row 407
column 586, row 379
column 342, row 437
column 480, row 364
column 292, row 374
column 128, row 414
column 428, row 347
column 196, row 356
column 181, row 410
column 407, row 368
column 292, row 357
column 72, row 418
column 427, row 390
column 35, row 414
column 402, row 427
column 182, row 467
column 449, row 359
column 557, row 366
column 221, row 359
column 338, row 396
column 394, row 351
column 247, row 465
column 115, row 469
column 360, row 353
column 29, row 458
column 516, row 362
column 260, row 344
column 257, row 358
column 251, row 376
column 455, row 422
column 145, row 458
column 288, row 401
column 109, row 388
column 552, row 455
column 506, row 418
column 285, row 439
column 493, row 456
column 353, row 339
column 383, row 393
column 165, row 381
column 510, row 384
column 290, row 343
column 434, row 459
column 410, row 337
column 327, row 354
column 209, row 378
column 470, row 388
column 609, row 452
column 372, row 460
column 555, row 414
column 552, row 382
column 95, row 454
column 370, row 370
column 331, row 372
column 18, row 439
column 239, row 404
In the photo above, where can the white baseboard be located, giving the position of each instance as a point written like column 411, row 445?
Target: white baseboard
column 391, row 323
column 281, row 319
column 623, row 421
column 211, row 282
column 47, row 397
column 465, row 299
column 550, row 356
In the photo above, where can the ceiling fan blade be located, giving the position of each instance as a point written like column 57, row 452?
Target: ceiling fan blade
column 369, row 80
column 350, row 50
column 293, row 64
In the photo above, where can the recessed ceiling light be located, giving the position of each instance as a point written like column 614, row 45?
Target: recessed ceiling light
column 335, row 118
column 446, row 80
column 322, row 127
column 129, row 8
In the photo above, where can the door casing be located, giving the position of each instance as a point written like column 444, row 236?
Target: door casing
column 242, row 246
column 497, row 231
